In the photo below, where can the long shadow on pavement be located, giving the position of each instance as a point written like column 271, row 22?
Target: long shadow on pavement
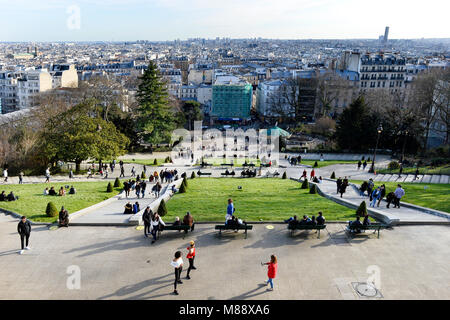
column 251, row 293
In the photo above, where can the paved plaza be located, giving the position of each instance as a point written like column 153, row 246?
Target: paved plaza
column 119, row 263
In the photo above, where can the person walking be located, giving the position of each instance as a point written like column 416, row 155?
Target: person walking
column 364, row 165
column 338, row 184
column 133, row 172
column 376, row 194
column 147, row 217
column 70, row 174
column 122, row 172
column 271, row 270
column 313, row 174
column 47, row 175
column 24, row 230
column 191, row 257
column 5, row 174
column 359, row 164
column 344, row 186
column 177, row 263
column 416, row 174
column 21, row 177
column 382, row 194
column 398, row 193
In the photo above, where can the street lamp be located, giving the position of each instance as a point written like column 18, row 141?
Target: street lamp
column 379, row 130
column 404, row 145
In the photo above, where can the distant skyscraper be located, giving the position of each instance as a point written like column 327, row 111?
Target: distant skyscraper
column 386, row 34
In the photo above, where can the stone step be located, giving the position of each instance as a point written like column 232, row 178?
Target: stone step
column 435, row 178
column 393, row 177
column 379, row 177
column 426, row 178
column 445, row 179
column 409, row 178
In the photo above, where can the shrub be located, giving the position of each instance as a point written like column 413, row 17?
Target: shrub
column 305, row 184
column 143, row 176
column 192, row 175
column 51, row 210
column 316, row 164
column 155, row 162
column 167, row 160
column 185, row 182
column 284, row 175
column 313, row 189
column 162, row 209
column 182, row 188
column 393, row 165
column 117, row 183
column 333, row 175
column 362, row 209
column 109, row 188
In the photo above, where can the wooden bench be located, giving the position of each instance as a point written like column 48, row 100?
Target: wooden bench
column 228, row 173
column 248, row 173
column 265, row 165
column 245, row 227
column 182, row 227
column 227, row 164
column 376, row 227
column 306, row 227
column 205, row 164
column 203, row 173
column 248, row 165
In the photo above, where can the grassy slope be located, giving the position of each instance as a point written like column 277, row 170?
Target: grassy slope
column 435, row 196
column 32, row 203
column 267, row 199
column 327, row 162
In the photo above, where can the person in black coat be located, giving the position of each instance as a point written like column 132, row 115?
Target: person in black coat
column 24, row 230
column 147, row 217
column 320, row 219
column 338, row 184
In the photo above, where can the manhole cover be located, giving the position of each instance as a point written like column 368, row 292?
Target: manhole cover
column 139, row 228
column 53, row 228
column 367, row 290
column 269, row 227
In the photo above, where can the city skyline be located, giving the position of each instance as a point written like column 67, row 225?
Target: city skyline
column 162, row 20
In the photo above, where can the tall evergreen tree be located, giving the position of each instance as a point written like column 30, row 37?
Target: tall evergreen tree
column 155, row 120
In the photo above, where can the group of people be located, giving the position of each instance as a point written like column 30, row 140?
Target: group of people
column 132, row 208
column 363, row 164
column 230, row 218
column 8, row 197
column 61, row 192
column 313, row 221
column 376, row 194
column 341, row 185
column 177, row 263
column 312, row 174
column 355, row 226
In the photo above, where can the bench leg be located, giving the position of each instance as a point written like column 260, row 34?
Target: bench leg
column 378, row 233
column 245, row 233
column 220, row 232
column 318, row 237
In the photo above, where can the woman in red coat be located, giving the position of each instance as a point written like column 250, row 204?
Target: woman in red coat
column 191, row 257
column 272, row 270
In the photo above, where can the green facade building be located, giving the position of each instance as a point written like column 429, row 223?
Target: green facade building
column 231, row 98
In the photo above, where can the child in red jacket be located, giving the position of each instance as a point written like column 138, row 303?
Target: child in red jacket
column 272, row 270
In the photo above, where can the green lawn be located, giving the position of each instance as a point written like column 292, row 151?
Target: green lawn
column 32, row 203
column 147, row 162
column 434, row 196
column 270, row 199
column 327, row 162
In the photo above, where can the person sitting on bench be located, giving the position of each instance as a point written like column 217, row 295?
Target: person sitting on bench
column 320, row 219
column 366, row 221
column 188, row 220
column 355, row 226
column 128, row 209
column 305, row 220
column 291, row 219
column 177, row 222
column 312, row 222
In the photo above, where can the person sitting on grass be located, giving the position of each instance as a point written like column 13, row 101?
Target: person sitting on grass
column 62, row 192
column 11, row 197
column 128, row 209
column 3, row 196
column 188, row 220
column 355, row 226
column 174, row 190
column 72, row 190
column 52, row 192
column 320, row 219
column 63, row 218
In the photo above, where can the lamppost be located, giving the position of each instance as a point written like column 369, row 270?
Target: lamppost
column 404, row 145
column 379, row 130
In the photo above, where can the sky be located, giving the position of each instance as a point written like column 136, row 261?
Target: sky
column 159, row 20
